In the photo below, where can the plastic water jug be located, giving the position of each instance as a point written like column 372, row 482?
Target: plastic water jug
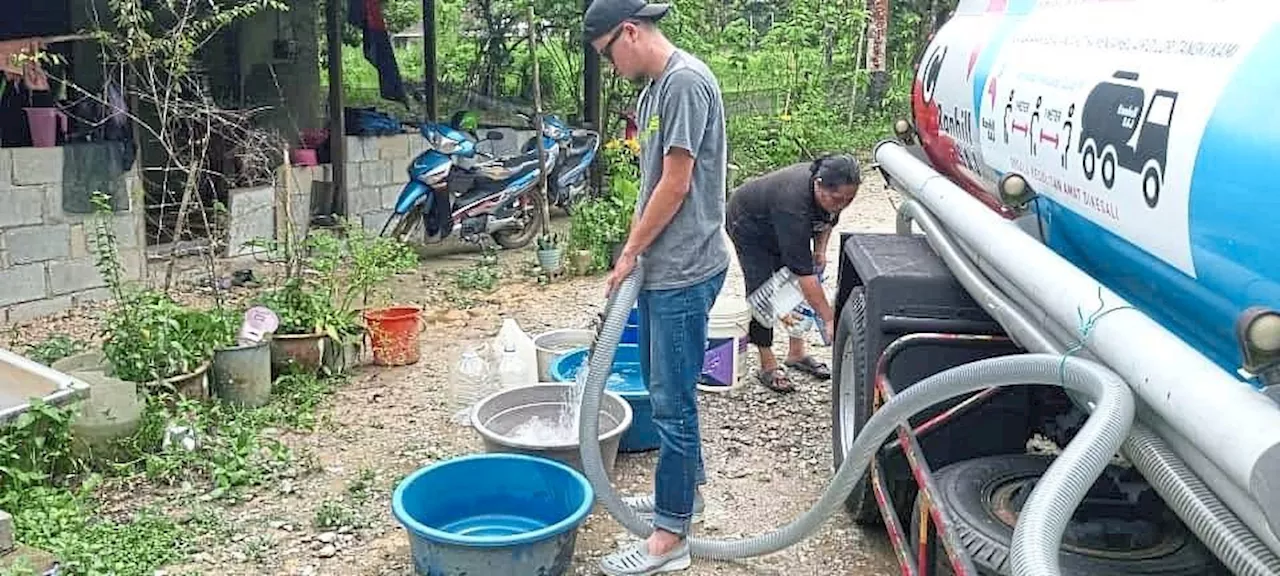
column 512, row 370
column 777, row 298
column 512, row 334
column 472, row 381
column 780, row 299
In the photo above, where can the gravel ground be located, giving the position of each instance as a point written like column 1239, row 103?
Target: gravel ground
column 768, row 455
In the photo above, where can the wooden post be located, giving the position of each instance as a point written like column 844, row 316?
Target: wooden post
column 537, row 125
column 591, row 113
column 430, row 77
column 337, row 128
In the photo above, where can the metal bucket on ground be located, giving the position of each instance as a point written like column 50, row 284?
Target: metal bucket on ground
column 556, row 343
column 241, row 375
column 500, row 414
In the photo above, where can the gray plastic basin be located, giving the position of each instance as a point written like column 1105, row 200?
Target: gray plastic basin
column 496, row 416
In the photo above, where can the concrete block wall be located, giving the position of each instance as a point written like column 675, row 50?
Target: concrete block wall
column 258, row 213
column 377, row 170
column 46, row 256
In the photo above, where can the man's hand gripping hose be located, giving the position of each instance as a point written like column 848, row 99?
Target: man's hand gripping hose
column 1043, row 520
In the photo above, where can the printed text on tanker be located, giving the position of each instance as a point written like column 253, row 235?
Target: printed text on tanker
column 1084, row 197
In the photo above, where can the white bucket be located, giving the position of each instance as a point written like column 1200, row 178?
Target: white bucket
column 726, row 355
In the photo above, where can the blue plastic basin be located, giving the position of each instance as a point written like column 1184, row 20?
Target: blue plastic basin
column 493, row 514
column 627, row 382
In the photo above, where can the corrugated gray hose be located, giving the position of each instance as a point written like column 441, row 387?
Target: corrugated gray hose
column 1044, row 518
column 1200, row 509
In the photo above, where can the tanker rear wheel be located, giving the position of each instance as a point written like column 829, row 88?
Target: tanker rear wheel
column 1151, row 180
column 1107, row 535
column 1108, row 167
column 851, row 394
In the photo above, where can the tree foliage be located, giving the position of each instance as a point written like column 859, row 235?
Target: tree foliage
column 800, row 76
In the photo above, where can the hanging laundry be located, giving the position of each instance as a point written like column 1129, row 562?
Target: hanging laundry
column 18, row 63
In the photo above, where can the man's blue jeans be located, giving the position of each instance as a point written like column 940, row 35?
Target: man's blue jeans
column 673, row 329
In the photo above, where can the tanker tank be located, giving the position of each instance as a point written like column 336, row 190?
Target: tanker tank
column 1145, row 130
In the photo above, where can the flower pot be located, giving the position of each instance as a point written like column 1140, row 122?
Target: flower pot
column 549, row 260
column 303, row 157
column 581, row 260
column 393, row 334
column 194, row 384
column 301, row 352
column 340, row 357
column 241, row 375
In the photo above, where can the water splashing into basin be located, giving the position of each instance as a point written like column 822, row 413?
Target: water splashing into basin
column 563, row 428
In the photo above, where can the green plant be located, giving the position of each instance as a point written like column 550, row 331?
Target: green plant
column 481, row 276
column 334, row 513
column 147, row 336
column 36, row 448
column 598, row 225
column 373, row 260
column 55, row 348
column 150, row 337
column 361, row 489
column 301, row 308
column 549, row 241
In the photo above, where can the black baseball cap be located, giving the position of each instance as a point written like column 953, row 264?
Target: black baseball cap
column 603, row 15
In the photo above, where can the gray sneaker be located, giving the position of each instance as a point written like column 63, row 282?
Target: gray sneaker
column 635, row 560
column 645, row 503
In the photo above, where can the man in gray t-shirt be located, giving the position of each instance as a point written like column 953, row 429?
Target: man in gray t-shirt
column 677, row 230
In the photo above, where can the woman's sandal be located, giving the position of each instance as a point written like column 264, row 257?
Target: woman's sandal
column 810, row 366
column 776, row 380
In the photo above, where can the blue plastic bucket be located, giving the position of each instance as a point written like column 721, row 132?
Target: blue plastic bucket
column 493, row 514
column 628, row 383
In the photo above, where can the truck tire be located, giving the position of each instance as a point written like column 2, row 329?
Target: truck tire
column 1104, row 538
column 851, row 400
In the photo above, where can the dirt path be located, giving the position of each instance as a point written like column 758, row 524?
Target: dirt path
column 768, row 456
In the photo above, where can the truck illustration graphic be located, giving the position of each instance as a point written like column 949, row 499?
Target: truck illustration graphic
column 1119, row 127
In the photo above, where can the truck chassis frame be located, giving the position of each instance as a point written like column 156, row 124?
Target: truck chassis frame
column 908, row 443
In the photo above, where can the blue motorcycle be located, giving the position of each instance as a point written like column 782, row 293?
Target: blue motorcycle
column 578, row 149
column 453, row 187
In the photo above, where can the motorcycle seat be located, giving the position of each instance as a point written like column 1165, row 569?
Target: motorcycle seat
column 581, row 144
column 502, row 169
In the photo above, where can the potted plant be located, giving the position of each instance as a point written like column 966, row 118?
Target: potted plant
column 549, row 253
column 299, row 341
column 303, row 301
column 148, row 339
column 371, row 261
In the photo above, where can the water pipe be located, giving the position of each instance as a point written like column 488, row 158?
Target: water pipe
column 1222, row 531
column 1181, row 385
column 1045, row 516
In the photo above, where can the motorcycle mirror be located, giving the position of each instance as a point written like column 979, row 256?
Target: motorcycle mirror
column 493, row 135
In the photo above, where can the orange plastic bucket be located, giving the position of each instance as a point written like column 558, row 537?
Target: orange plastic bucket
column 393, row 334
